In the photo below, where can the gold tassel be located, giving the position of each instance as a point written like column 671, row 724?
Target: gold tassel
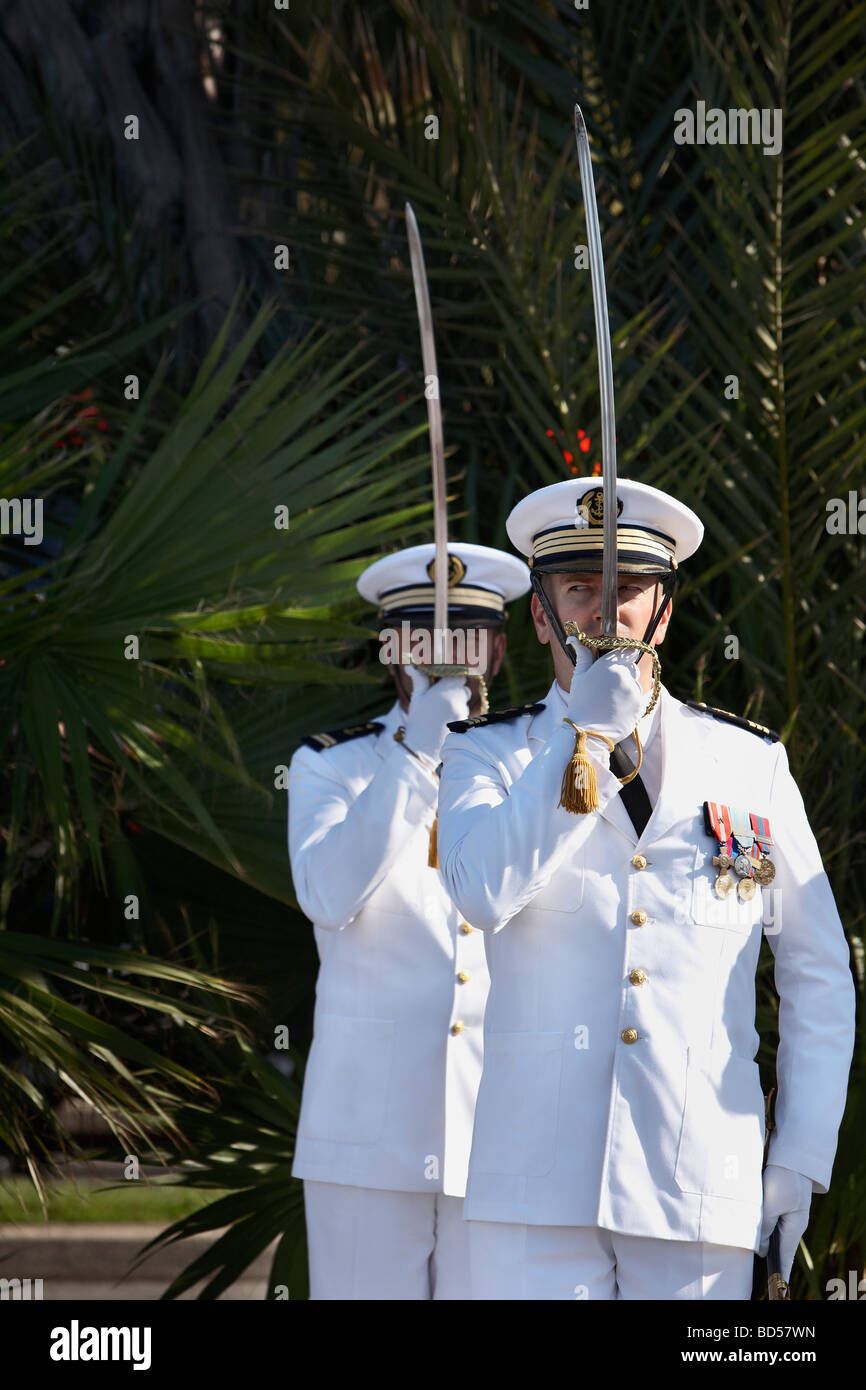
column 579, row 783
column 433, row 851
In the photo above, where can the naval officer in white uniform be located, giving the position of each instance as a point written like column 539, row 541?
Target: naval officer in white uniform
column 390, row 1085
column 619, row 1128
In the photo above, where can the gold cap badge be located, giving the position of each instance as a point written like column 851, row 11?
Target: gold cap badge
column 456, row 570
column 591, row 506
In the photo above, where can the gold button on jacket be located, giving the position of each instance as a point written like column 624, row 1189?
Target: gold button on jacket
column 465, row 928
column 639, row 861
column 629, row 1035
column 457, row 1028
column 637, row 977
column 638, row 917
column 463, row 976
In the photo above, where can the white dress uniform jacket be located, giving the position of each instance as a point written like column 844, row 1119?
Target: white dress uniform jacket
column 619, row 1087
column 393, row 1071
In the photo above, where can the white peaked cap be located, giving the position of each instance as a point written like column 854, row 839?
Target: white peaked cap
column 561, row 527
column 481, row 581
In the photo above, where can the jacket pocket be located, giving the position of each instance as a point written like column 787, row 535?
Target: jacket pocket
column 721, row 1146
column 709, row 910
column 564, row 891
column 348, row 1080
column 517, row 1114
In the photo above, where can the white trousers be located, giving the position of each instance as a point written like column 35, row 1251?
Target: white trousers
column 585, row 1262
column 367, row 1243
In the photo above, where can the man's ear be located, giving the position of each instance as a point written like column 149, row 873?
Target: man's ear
column 661, row 630
column 539, row 618
column 499, row 645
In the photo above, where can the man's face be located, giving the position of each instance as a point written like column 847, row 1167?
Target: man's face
column 480, row 647
column 577, row 598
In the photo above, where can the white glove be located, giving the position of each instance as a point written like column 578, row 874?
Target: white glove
column 607, row 697
column 787, row 1195
column 431, row 708
column 584, row 657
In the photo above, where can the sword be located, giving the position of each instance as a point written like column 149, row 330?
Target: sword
column 437, row 453
column 776, row 1285
column 605, row 379
column 578, row 794
column 608, row 641
column 434, row 419
column 777, row 1288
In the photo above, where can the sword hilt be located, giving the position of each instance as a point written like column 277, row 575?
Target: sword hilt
column 613, row 644
column 441, row 671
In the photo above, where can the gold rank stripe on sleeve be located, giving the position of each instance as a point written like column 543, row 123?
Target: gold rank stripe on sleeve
column 318, row 742
column 760, row 729
column 494, row 716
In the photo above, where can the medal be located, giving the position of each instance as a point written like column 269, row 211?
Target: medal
column 761, row 827
column 765, row 872
column 765, row 869
column 738, row 859
column 717, row 822
column 744, row 864
column 744, row 842
column 741, row 829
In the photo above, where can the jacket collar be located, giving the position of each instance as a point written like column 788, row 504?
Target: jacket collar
column 678, row 733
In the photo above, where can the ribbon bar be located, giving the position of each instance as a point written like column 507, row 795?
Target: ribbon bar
column 741, row 824
column 718, row 822
column 761, row 827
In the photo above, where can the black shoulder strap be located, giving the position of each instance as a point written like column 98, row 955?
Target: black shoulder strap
column 335, row 736
column 727, row 718
column 495, row 716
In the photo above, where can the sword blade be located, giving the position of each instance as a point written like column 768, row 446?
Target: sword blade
column 605, row 379
column 434, row 419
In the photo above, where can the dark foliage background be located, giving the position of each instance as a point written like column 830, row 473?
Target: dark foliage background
column 260, row 388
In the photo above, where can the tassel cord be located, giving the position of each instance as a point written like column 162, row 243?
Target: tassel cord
column 579, row 791
column 631, row 775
